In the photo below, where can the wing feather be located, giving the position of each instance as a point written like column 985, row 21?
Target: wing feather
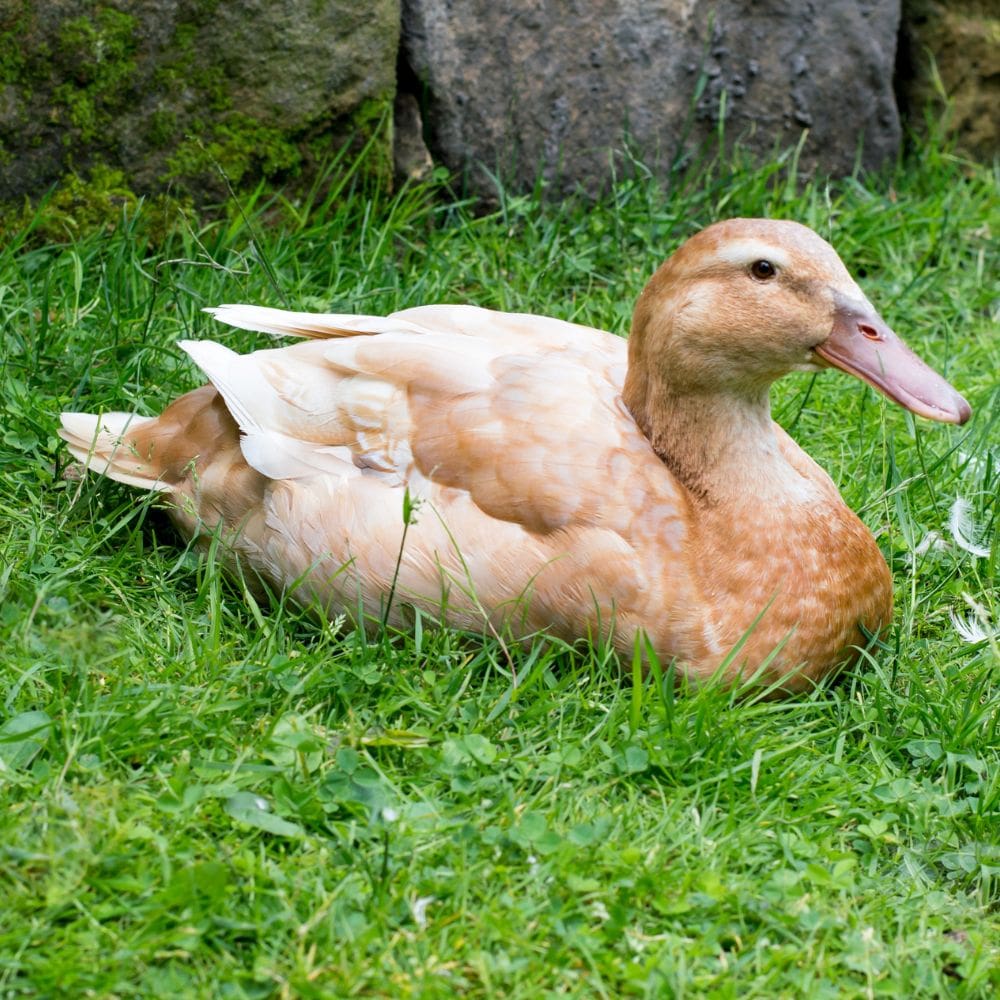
column 448, row 397
column 313, row 326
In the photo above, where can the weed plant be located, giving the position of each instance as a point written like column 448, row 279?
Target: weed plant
column 202, row 795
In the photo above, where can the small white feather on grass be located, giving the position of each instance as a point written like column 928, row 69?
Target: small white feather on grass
column 969, row 628
column 418, row 909
column 976, row 626
column 963, row 529
column 931, row 542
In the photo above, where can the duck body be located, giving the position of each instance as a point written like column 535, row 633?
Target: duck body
column 558, row 479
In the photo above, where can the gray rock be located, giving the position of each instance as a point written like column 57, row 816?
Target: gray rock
column 556, row 87
column 166, row 89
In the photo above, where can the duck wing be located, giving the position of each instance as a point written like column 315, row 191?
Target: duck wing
column 522, row 413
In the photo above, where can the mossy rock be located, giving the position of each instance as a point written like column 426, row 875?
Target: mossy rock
column 950, row 59
column 191, row 96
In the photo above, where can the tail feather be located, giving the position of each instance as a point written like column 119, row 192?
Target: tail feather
column 100, row 442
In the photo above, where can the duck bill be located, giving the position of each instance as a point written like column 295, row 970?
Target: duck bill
column 862, row 344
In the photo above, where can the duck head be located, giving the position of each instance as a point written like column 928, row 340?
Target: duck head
column 748, row 300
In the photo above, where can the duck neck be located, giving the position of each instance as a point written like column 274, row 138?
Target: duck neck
column 720, row 444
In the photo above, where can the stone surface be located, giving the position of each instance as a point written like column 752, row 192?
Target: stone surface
column 540, row 86
column 164, row 89
column 960, row 42
column 411, row 158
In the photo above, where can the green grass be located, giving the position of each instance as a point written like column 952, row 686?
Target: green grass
column 200, row 796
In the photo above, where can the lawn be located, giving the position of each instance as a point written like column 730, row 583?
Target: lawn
column 201, row 795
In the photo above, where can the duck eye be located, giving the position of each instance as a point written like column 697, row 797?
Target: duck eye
column 762, row 270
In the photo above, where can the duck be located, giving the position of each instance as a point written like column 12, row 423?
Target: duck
column 517, row 475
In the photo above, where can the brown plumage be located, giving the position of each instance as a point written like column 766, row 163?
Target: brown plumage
column 560, row 488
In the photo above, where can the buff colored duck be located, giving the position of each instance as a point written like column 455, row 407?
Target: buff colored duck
column 566, row 481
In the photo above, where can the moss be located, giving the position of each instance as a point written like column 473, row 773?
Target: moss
column 101, row 87
column 369, row 126
column 12, row 59
column 241, row 146
column 161, row 128
column 96, row 54
column 13, row 56
column 371, row 116
column 99, row 50
column 183, row 69
column 79, row 206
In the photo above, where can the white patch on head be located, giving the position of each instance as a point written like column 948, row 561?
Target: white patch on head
column 743, row 253
column 851, row 297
